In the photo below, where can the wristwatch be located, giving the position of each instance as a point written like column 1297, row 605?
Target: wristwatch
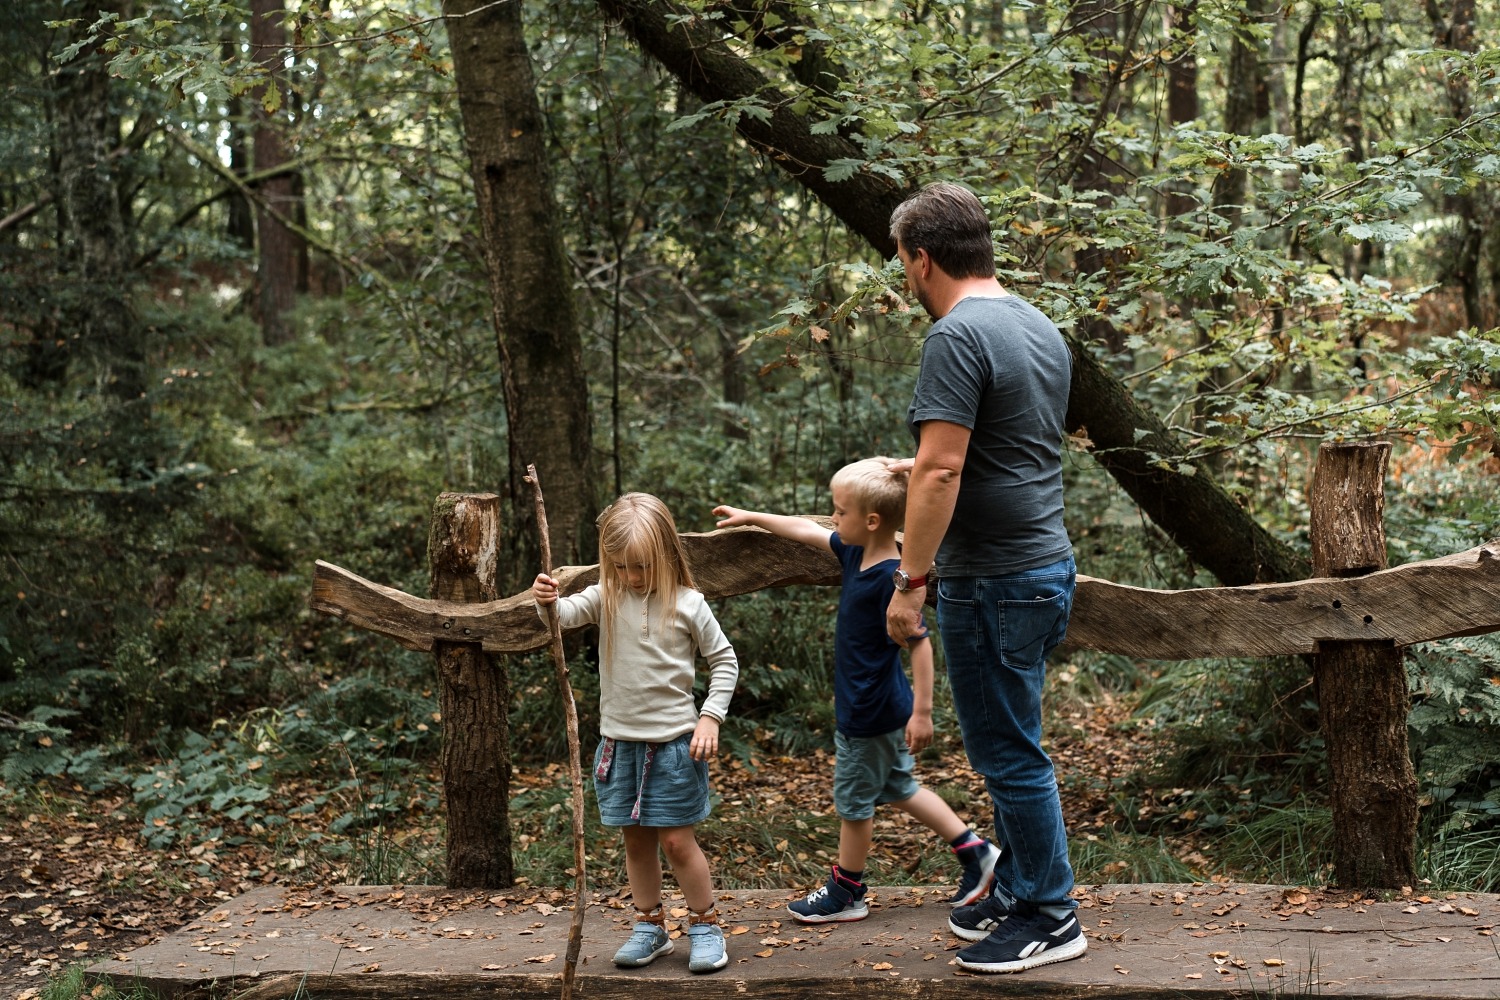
column 905, row 581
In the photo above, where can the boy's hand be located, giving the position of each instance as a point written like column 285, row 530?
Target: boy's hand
column 544, row 589
column 919, row 731
column 705, row 742
column 732, row 516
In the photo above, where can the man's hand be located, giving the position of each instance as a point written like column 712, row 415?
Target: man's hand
column 705, row 742
column 903, row 616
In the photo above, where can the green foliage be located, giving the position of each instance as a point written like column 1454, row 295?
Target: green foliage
column 740, row 346
column 1453, row 725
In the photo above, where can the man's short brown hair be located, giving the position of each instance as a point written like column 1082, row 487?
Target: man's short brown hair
column 947, row 221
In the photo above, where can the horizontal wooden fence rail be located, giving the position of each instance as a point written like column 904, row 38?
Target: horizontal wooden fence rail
column 1437, row 599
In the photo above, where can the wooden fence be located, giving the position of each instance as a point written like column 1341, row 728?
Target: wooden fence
column 1352, row 621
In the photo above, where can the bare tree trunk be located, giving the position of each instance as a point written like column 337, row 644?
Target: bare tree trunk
column 1110, row 27
column 1182, row 83
column 1454, row 29
column 541, row 356
column 281, row 250
column 240, row 224
column 474, row 695
column 1362, row 692
column 1244, row 94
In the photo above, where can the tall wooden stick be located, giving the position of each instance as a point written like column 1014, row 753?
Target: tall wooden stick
column 575, row 766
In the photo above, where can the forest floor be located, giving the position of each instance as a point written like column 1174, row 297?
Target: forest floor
column 78, row 884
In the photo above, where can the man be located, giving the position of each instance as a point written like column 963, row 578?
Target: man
column 984, row 510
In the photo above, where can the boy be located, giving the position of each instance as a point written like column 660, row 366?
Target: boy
column 881, row 719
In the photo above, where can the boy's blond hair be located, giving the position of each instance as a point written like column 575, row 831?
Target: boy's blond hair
column 875, row 488
column 638, row 527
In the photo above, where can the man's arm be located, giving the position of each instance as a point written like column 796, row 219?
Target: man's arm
column 798, row 529
column 931, row 494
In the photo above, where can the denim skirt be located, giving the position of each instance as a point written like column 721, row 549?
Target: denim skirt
column 650, row 784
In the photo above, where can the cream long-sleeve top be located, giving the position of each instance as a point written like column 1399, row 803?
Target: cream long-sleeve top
column 646, row 684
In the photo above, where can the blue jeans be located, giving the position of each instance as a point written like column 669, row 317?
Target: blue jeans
column 997, row 632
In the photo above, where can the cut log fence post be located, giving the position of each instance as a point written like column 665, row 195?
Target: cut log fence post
column 1363, row 698
column 463, row 540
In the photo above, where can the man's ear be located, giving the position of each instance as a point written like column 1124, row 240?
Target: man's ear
column 923, row 260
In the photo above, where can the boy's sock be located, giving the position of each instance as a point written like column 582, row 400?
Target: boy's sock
column 858, row 878
column 968, row 840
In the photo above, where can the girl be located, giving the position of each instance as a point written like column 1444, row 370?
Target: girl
column 650, row 771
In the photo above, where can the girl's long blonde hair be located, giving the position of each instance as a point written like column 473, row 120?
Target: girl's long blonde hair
column 638, row 528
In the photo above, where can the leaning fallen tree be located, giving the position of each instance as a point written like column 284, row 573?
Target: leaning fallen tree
column 1130, row 442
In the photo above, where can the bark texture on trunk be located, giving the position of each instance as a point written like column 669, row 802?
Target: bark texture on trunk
column 541, row 355
column 1362, row 690
column 463, row 543
column 1182, row 84
column 280, row 252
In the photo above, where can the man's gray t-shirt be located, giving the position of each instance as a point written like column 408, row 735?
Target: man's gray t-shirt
column 999, row 367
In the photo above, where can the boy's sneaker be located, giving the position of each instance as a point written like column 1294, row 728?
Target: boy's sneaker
column 836, row 901
column 979, row 868
column 646, row 944
column 707, row 953
column 1025, row 941
column 974, row 923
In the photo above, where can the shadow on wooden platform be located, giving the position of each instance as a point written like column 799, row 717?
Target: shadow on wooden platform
column 1145, row 941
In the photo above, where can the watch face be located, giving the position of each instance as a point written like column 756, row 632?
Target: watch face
column 901, row 580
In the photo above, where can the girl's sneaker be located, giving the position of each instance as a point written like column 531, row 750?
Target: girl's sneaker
column 707, row 953
column 646, row 944
column 837, row 901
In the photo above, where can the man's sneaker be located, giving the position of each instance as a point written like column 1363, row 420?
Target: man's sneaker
column 836, row 901
column 979, row 868
column 646, row 944
column 707, row 953
column 1025, row 941
column 974, row 923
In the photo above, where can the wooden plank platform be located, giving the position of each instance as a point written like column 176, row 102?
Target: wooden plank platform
column 1145, row 941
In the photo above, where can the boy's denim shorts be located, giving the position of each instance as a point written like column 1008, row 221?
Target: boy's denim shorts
column 674, row 792
column 869, row 771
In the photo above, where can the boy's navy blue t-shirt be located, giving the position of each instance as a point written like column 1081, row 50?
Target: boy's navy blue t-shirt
column 872, row 696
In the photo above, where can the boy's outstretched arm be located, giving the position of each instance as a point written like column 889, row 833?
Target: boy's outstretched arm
column 919, row 726
column 798, row 529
